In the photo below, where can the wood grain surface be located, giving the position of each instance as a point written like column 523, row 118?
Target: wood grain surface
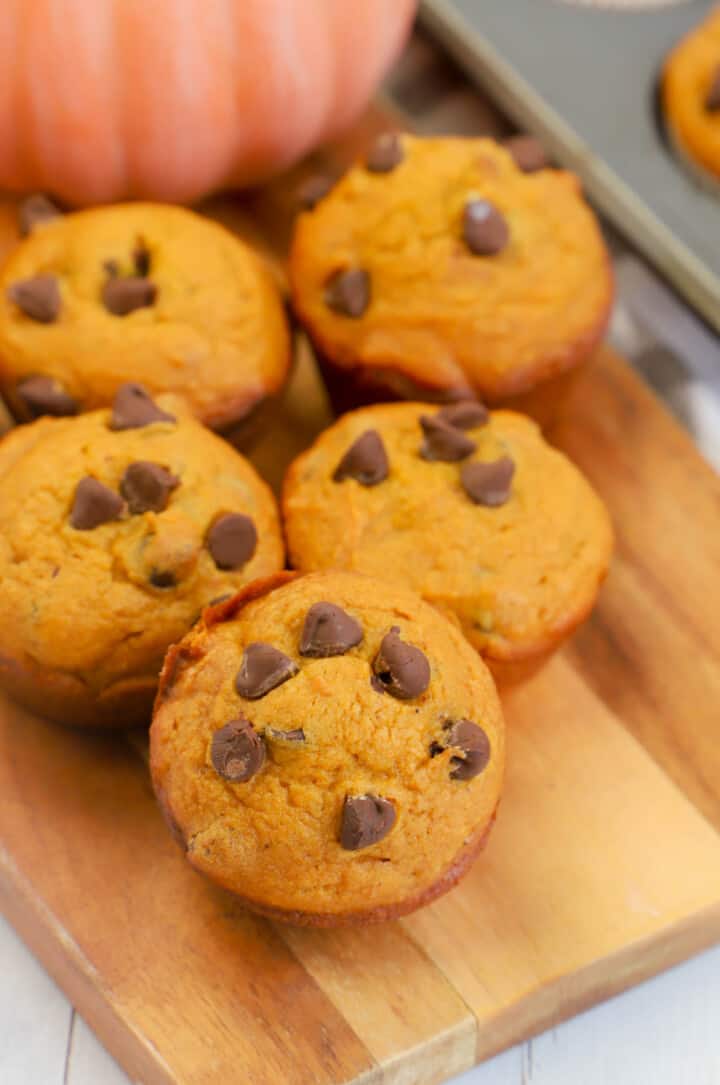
column 604, row 867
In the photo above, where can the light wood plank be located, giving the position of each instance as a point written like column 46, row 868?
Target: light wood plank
column 541, row 924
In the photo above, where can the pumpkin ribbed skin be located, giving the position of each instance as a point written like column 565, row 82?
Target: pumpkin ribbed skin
column 171, row 99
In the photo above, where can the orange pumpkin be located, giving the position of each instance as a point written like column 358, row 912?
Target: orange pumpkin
column 170, row 99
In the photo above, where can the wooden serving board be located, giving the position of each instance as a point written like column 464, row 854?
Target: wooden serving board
column 604, row 867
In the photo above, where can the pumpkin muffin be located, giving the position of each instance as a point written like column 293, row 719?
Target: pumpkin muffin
column 329, row 748
column 440, row 269
column 471, row 509
column 138, row 292
column 691, row 99
column 118, row 527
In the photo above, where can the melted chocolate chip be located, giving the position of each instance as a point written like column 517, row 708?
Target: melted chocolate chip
column 231, row 540
column 444, row 442
column 402, row 668
column 133, row 408
column 160, row 578
column 366, row 460
column 122, row 296
column 94, row 504
column 263, row 668
column 712, row 98
column 488, row 483
column 37, row 298
column 34, row 211
column 147, row 486
column 366, row 819
column 474, row 747
column 385, row 154
column 528, row 153
column 484, row 229
column 467, row 414
column 329, row 631
column 294, row 738
column 44, row 395
column 312, row 190
column 347, row 292
column 141, row 260
column 237, row 751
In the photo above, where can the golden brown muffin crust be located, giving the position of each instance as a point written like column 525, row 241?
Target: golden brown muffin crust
column 438, row 314
column 89, row 613
column 275, row 838
column 692, row 110
column 216, row 333
column 518, row 577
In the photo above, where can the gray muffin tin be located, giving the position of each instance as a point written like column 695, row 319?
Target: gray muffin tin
column 585, row 79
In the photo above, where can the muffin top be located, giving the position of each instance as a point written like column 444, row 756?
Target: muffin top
column 691, row 92
column 141, row 292
column 327, row 745
column 118, row 527
column 453, row 267
column 470, row 508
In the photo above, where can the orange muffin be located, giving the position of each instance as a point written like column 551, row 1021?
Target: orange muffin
column 138, row 292
column 119, row 526
column 329, row 748
column 691, row 98
column 473, row 510
column 439, row 269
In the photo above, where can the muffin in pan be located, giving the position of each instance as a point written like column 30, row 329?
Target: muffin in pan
column 140, row 292
column 329, row 748
column 691, row 100
column 470, row 508
column 440, row 269
column 119, row 526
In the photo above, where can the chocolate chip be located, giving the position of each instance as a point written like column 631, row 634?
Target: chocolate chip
column 385, row 154
column 484, row 228
column 160, row 578
column 366, row 819
column 44, row 395
column 122, row 296
column 263, row 668
column 294, row 737
column 444, row 442
column 467, row 414
column 328, row 631
column 488, row 483
column 366, row 460
column 712, row 98
column 347, row 292
column 133, row 408
column 231, row 540
column 401, row 667
column 312, row 190
column 147, row 486
column 94, row 504
column 141, row 260
column 35, row 210
column 528, row 153
column 474, row 746
column 237, row 751
column 37, row 298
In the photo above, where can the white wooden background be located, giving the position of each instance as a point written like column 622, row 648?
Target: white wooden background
column 665, row 1032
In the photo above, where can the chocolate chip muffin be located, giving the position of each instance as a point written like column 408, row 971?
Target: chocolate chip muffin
column 472, row 509
column 691, row 100
column 138, row 292
column 329, row 748
column 119, row 526
column 439, row 269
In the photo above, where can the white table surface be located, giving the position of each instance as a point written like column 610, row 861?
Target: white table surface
column 664, row 1032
